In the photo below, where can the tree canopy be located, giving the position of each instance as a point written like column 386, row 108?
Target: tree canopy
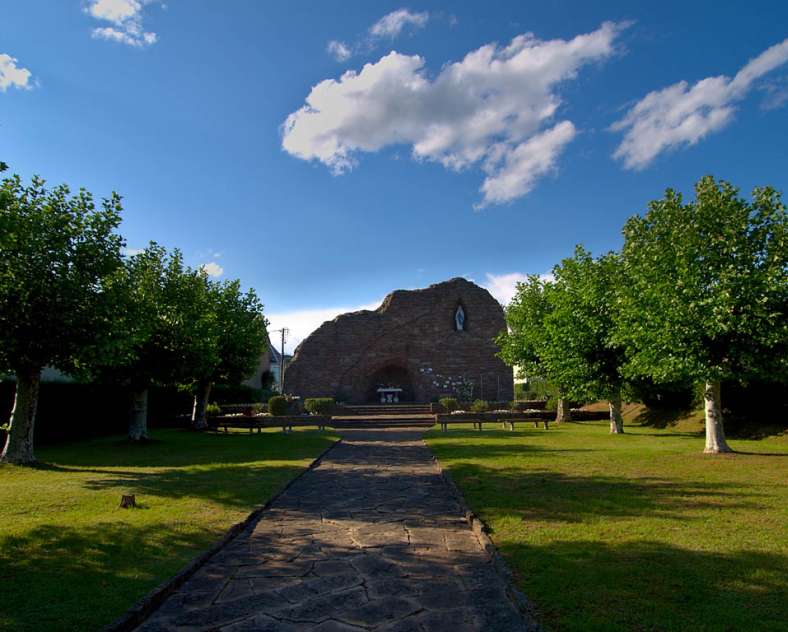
column 57, row 253
column 699, row 293
column 525, row 345
column 239, row 338
column 163, row 328
column 586, row 360
column 561, row 330
column 706, row 291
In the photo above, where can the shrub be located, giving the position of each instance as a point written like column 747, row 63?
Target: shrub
column 449, row 404
column 319, row 405
column 531, row 404
column 233, row 393
column 480, row 406
column 213, row 410
column 277, row 405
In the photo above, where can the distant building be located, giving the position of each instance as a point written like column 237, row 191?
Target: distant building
column 271, row 363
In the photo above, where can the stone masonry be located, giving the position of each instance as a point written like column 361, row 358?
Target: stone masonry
column 410, row 341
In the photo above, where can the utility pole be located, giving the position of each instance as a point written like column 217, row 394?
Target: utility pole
column 282, row 369
column 284, row 331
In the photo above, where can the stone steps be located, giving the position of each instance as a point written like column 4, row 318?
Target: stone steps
column 386, row 409
column 399, row 419
column 383, row 422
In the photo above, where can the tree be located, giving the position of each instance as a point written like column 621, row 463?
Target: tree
column 586, row 359
column 706, row 292
column 240, row 338
column 526, row 344
column 57, row 252
column 163, row 328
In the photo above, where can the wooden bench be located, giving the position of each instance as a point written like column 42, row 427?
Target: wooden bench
column 507, row 421
column 286, row 423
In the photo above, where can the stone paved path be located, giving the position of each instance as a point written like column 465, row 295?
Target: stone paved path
column 372, row 539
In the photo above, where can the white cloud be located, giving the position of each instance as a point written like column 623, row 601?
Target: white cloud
column 126, row 19
column 303, row 322
column 515, row 171
column 682, row 114
column 12, row 75
column 504, row 286
column 391, row 24
column 776, row 94
column 339, row 50
column 495, row 108
column 116, row 11
column 212, row 269
column 131, row 252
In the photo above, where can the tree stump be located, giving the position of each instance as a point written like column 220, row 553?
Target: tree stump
column 128, row 501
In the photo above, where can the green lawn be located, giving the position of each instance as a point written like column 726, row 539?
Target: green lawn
column 632, row 532
column 71, row 560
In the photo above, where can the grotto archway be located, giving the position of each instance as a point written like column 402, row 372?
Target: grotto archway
column 390, row 376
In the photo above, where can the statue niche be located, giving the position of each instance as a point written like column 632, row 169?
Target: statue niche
column 459, row 319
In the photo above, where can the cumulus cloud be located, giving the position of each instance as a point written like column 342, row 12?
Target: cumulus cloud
column 504, row 286
column 682, row 114
column 392, row 24
column 389, row 27
column 12, row 75
column 125, row 16
column 494, row 108
column 303, row 322
column 212, row 269
column 514, row 172
column 339, row 50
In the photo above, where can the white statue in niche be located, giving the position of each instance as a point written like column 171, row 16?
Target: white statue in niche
column 459, row 319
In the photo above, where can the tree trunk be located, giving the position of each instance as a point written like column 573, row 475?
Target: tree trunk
column 19, row 442
column 138, row 419
column 616, row 420
column 199, row 421
column 715, row 435
column 562, row 412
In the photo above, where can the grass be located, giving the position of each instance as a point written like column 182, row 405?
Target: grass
column 71, row 560
column 633, row 532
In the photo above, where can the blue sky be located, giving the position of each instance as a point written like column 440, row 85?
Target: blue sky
column 481, row 139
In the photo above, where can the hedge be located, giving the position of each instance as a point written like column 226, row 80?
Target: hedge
column 69, row 411
column 319, row 405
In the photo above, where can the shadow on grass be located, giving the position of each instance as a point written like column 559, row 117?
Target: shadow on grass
column 634, row 428
column 661, row 418
column 235, row 471
column 549, row 496
column 581, row 583
column 646, row 585
column 238, row 486
column 179, row 448
column 63, row 578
